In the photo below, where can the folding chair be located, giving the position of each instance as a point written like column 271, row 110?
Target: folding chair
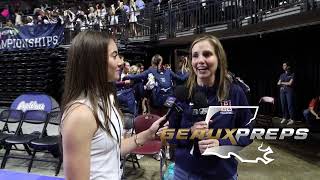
column 48, row 143
column 142, row 123
column 266, row 112
column 9, row 117
column 20, row 138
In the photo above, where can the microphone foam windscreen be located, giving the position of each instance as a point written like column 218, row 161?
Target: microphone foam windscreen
column 200, row 100
column 181, row 93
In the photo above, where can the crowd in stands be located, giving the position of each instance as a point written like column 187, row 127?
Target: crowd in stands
column 117, row 11
column 132, row 18
column 84, row 16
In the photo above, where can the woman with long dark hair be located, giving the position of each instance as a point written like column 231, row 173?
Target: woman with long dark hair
column 92, row 124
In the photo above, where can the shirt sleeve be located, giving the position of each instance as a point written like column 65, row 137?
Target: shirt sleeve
column 141, row 76
column 181, row 77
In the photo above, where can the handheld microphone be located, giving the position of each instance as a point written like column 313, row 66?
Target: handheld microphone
column 180, row 95
column 200, row 107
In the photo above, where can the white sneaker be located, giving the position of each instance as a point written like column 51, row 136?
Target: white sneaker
column 290, row 122
column 139, row 156
column 283, row 121
column 156, row 157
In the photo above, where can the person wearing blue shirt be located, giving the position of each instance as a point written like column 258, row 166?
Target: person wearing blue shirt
column 162, row 81
column 126, row 98
column 183, row 68
column 209, row 75
column 286, row 82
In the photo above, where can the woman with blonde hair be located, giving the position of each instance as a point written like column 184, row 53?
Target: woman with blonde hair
column 183, row 68
column 209, row 76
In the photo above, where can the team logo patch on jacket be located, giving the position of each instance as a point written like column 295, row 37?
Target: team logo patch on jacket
column 226, row 110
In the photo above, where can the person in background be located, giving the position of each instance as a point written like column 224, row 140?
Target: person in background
column 286, row 82
column 159, row 82
column 91, row 125
column 144, row 104
column 30, row 21
column 183, row 68
column 126, row 98
column 126, row 70
column 113, row 19
column 312, row 114
column 18, row 20
column 133, row 18
column 141, row 67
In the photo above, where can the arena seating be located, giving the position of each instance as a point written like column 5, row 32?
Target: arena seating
column 39, row 70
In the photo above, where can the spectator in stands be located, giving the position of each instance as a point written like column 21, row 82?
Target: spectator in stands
column 209, row 75
column 113, row 19
column 82, row 21
column 9, row 23
column 18, row 20
column 92, row 16
column 103, row 11
column 98, row 10
column 30, row 21
column 69, row 18
column 45, row 20
column 312, row 114
column 91, row 125
column 286, row 82
column 133, row 18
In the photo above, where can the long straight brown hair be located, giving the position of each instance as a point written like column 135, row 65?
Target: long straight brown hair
column 222, row 77
column 86, row 74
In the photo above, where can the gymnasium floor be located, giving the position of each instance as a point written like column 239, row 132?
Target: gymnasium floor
column 293, row 160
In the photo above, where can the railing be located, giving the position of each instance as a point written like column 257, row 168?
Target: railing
column 187, row 17
column 194, row 17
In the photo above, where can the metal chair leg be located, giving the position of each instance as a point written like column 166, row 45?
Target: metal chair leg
column 5, row 157
column 59, row 166
column 136, row 160
column 26, row 147
column 133, row 160
column 31, row 160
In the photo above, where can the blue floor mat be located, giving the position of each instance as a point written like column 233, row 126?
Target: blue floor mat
column 11, row 175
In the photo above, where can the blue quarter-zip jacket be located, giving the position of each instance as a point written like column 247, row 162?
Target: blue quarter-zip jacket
column 211, row 167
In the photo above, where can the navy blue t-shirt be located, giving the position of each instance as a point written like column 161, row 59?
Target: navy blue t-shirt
column 212, row 167
column 286, row 77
